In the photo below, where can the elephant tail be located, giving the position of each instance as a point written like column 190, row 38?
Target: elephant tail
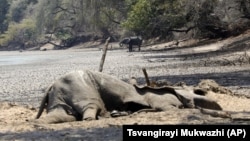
column 43, row 103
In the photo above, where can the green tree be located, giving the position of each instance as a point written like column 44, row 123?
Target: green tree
column 69, row 19
column 4, row 7
column 155, row 17
column 17, row 10
column 19, row 32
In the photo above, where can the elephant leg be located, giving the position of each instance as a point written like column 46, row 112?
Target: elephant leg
column 130, row 47
column 57, row 115
column 90, row 112
column 139, row 48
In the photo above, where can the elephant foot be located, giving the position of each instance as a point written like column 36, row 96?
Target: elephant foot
column 57, row 119
column 207, row 103
column 116, row 113
column 36, row 121
column 55, row 116
column 40, row 121
column 90, row 114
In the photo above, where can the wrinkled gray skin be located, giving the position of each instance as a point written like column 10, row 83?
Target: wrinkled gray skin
column 88, row 95
column 130, row 41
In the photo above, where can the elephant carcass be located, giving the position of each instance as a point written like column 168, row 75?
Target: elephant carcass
column 130, row 41
column 87, row 95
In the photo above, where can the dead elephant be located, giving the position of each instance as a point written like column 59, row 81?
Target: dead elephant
column 131, row 41
column 88, row 95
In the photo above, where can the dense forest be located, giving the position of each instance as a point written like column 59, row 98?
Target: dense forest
column 28, row 23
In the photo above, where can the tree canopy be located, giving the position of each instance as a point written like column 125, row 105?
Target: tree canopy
column 31, row 21
column 4, row 7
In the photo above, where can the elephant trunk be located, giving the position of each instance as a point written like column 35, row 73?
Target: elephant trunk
column 121, row 44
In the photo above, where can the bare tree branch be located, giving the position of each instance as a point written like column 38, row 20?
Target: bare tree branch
column 60, row 9
column 110, row 18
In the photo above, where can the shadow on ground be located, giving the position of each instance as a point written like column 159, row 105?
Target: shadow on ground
column 236, row 78
column 110, row 133
column 241, row 45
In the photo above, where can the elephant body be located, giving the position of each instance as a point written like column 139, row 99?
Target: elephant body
column 88, row 95
column 131, row 41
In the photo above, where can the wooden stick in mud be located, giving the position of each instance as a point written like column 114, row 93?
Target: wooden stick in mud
column 146, row 76
column 104, row 52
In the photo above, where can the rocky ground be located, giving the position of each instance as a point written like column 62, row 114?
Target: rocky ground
column 25, row 75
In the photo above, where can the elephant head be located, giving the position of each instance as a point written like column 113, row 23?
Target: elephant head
column 124, row 41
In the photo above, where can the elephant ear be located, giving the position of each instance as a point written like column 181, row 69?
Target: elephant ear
column 126, row 40
column 129, row 39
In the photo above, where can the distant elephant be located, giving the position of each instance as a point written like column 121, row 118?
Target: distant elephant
column 130, row 41
column 88, row 95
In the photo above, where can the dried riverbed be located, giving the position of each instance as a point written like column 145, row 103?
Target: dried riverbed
column 25, row 75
